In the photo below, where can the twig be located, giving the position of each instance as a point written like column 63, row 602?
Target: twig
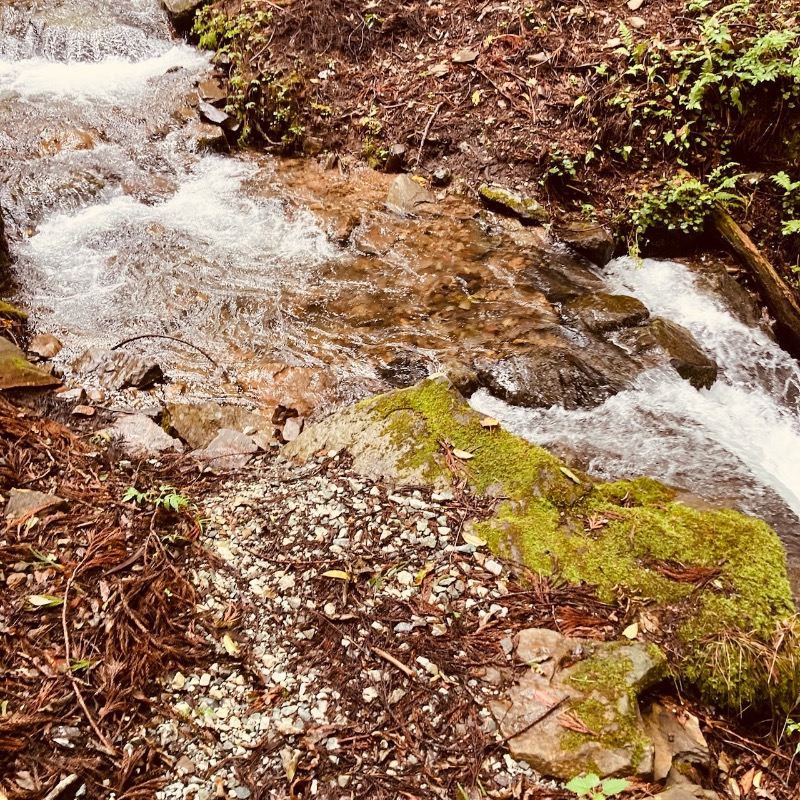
column 107, row 746
column 392, row 660
column 546, row 713
column 60, row 786
column 427, row 130
column 164, row 336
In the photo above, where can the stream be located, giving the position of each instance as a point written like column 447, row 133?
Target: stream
column 122, row 222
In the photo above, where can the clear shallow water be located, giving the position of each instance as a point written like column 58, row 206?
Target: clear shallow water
column 737, row 443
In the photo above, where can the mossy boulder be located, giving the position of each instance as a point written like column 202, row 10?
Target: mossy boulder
column 16, row 372
column 716, row 580
column 501, row 199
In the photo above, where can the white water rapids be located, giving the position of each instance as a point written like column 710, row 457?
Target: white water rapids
column 138, row 232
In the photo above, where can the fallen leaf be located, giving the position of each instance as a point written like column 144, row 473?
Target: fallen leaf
column 44, row 601
column 439, row 70
column 337, row 573
column 420, row 576
column 463, row 454
column 489, row 422
column 632, row 631
column 473, row 539
column 746, row 781
column 465, row 56
column 757, row 779
column 230, row 646
column 570, row 474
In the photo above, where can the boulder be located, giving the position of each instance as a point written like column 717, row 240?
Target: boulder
column 181, row 12
column 406, row 196
column 578, row 711
column 589, row 239
column 677, row 740
column 202, row 136
column 676, row 343
column 45, row 346
column 602, row 313
column 16, row 372
column 140, row 437
column 212, row 91
column 212, row 114
column 501, row 199
column 24, row 503
column 229, row 450
column 199, row 424
column 118, row 369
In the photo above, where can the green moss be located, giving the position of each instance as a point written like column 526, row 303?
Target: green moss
column 7, row 311
column 619, row 537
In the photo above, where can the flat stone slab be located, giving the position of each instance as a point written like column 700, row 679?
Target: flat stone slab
column 229, row 450
column 198, row 424
column 142, row 438
column 117, row 369
column 25, row 502
column 16, row 372
column 576, row 709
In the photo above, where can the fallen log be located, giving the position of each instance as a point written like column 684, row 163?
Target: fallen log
column 779, row 298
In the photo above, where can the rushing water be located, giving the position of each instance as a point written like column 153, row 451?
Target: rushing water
column 121, row 224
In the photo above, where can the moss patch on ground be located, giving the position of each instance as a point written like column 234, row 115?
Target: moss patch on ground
column 720, row 572
column 7, row 311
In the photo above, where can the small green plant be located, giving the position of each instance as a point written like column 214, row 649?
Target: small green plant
column 790, row 202
column 165, row 497
column 593, row 788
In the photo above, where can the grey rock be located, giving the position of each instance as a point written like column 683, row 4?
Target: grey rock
column 571, row 677
column 442, row 177
column 76, row 395
column 677, row 740
column 45, row 346
column 202, row 136
column 292, row 428
column 502, row 199
column 24, row 502
column 229, row 450
column 118, row 369
column 407, row 197
column 590, row 239
column 181, row 12
column 16, row 372
column 686, row 790
column 212, row 114
column 212, row 91
column 602, row 313
column 199, row 424
column 141, row 437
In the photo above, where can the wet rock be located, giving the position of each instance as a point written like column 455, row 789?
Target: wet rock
column 140, row 437
column 442, row 177
column 555, row 375
column 212, row 91
column 405, row 369
column 181, row 12
column 406, row 196
column 16, row 372
column 229, row 450
column 212, row 114
column 501, row 199
column 5, row 258
column 601, row 312
column 396, row 158
column 24, row 503
column 7, row 311
column 292, row 428
column 373, row 241
column 592, row 687
column 117, row 369
column 662, row 336
column 341, row 226
column 199, row 424
column 45, row 346
column 591, row 240
column 149, row 189
column 560, row 279
column 678, row 741
column 203, row 136
column 52, row 142
column 301, row 388
column 463, row 377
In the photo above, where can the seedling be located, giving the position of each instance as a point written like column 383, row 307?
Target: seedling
column 592, row 788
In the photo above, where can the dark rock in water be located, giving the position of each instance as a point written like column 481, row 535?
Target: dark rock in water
column 341, row 226
column 117, row 369
column 212, row 114
column 24, row 502
column 678, row 344
column 45, row 346
column 229, row 450
column 463, row 377
column 407, row 197
column 140, row 437
column 556, row 376
column 405, row 369
column 16, row 372
column 561, row 279
column 601, row 312
column 502, row 199
column 589, row 239
column 396, row 159
column 5, row 258
column 181, row 12
column 199, row 424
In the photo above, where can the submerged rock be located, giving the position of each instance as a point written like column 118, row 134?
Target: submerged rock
column 16, row 372
column 717, row 577
column 117, row 369
column 589, row 239
column 406, row 196
column 601, row 312
column 526, row 208
column 589, row 685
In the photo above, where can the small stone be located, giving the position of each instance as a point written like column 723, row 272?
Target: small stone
column 442, row 177
column 83, row 411
column 292, row 428
column 179, row 681
column 490, row 565
column 45, row 346
column 635, row 5
column 636, row 22
column 184, row 766
column 242, row 792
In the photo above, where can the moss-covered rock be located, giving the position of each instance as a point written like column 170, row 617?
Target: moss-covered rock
column 717, row 578
column 502, row 199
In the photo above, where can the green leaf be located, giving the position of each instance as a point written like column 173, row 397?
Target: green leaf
column 583, row 784
column 36, row 601
column 612, row 786
column 570, row 474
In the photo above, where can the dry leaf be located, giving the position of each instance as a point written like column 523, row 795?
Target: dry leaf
column 44, row 601
column 230, row 646
column 337, row 573
column 571, row 722
column 463, row 454
column 757, row 779
column 746, row 781
column 632, row 631
column 473, row 539
column 420, row 576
